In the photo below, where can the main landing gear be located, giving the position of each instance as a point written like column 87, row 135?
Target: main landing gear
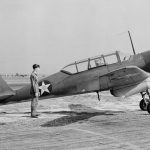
column 145, row 102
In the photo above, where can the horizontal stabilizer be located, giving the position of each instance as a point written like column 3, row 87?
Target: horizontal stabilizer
column 5, row 90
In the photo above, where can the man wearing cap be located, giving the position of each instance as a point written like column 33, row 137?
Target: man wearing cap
column 34, row 91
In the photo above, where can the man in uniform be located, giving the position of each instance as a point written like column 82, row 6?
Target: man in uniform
column 99, row 62
column 34, row 91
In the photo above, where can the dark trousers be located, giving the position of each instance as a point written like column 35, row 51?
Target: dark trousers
column 34, row 104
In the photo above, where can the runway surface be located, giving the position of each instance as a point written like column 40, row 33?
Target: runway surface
column 76, row 123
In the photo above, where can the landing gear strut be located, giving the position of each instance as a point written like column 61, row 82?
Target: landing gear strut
column 98, row 95
column 145, row 102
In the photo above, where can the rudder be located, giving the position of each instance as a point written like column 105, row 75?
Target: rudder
column 5, row 90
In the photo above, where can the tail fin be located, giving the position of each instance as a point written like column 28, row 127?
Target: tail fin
column 5, row 90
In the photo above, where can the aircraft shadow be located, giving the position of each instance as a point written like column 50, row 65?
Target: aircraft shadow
column 74, row 116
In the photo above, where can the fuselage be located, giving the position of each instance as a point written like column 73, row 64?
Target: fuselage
column 89, row 79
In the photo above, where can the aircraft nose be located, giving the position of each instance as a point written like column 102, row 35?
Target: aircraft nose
column 146, row 56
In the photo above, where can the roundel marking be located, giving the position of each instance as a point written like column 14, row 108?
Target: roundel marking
column 45, row 88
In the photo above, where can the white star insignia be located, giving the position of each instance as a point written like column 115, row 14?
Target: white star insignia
column 44, row 88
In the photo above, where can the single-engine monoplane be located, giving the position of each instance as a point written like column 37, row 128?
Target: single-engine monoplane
column 123, row 74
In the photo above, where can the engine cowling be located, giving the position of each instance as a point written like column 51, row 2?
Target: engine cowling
column 129, row 90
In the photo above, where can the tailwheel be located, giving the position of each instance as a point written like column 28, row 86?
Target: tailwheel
column 143, row 105
column 148, row 108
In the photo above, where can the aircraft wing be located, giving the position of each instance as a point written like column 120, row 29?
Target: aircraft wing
column 128, row 81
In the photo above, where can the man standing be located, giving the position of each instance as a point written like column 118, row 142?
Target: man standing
column 34, row 91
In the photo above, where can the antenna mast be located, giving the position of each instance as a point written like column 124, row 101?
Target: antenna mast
column 131, row 43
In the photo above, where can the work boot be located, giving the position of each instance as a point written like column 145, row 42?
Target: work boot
column 34, row 116
column 37, row 115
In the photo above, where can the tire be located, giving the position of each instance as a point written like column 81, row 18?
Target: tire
column 148, row 108
column 143, row 105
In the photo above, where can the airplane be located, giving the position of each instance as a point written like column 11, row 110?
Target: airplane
column 123, row 74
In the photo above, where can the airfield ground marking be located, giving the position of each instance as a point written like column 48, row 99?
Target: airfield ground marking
column 105, row 136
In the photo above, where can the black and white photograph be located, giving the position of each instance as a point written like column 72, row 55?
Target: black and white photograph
column 74, row 74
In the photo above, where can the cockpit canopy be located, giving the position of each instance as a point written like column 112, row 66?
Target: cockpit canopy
column 97, row 61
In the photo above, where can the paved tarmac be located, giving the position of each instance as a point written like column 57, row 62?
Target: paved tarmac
column 76, row 123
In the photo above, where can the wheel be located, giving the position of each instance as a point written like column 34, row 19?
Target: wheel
column 148, row 108
column 143, row 105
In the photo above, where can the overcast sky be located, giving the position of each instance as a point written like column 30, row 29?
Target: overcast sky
column 54, row 33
